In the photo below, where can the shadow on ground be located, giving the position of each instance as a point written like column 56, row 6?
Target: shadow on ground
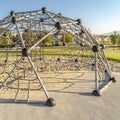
column 31, row 103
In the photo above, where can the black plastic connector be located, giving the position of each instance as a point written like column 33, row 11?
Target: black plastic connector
column 13, row 20
column 96, row 93
column 58, row 25
column 95, row 48
column 12, row 13
column 25, row 52
column 79, row 21
column 112, row 79
column 44, row 10
column 102, row 46
column 41, row 20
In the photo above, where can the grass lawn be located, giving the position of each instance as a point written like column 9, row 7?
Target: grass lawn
column 110, row 53
column 57, row 50
column 113, row 54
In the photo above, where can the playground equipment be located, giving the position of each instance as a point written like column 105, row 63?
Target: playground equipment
column 24, row 59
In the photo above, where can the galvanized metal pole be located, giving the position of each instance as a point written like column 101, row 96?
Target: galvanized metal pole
column 96, row 72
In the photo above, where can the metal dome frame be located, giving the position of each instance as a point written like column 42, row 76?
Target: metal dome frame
column 18, row 22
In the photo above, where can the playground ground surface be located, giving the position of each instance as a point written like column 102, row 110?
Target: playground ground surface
column 74, row 101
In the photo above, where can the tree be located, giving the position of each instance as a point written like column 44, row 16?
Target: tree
column 114, row 38
column 16, row 40
column 3, row 41
column 6, row 39
column 29, row 37
column 118, row 40
column 47, row 40
column 67, row 38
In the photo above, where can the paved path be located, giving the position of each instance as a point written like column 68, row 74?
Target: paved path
column 74, row 101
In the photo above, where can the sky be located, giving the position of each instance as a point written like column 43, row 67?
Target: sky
column 100, row 16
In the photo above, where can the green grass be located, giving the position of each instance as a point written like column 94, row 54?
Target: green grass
column 56, row 50
column 62, row 50
column 111, row 54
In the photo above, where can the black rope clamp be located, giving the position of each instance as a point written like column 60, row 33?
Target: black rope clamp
column 13, row 20
column 79, row 21
column 25, row 52
column 58, row 25
column 12, row 13
column 101, row 46
column 44, row 10
column 95, row 48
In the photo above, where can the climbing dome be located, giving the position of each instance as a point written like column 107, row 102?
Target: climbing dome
column 25, row 56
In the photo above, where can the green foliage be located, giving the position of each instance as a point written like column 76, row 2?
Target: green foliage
column 118, row 41
column 67, row 38
column 3, row 41
column 6, row 39
column 47, row 40
column 115, row 39
column 29, row 37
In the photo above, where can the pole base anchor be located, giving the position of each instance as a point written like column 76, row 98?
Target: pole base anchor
column 50, row 102
column 96, row 93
